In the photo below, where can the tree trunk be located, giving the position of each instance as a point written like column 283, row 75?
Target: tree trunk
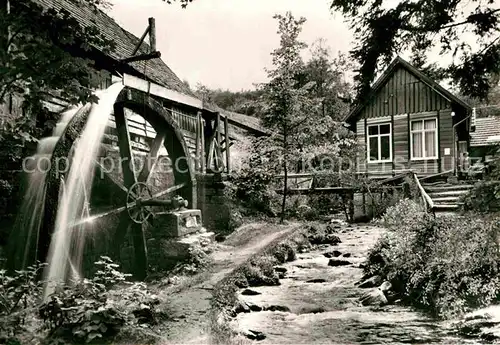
column 285, row 172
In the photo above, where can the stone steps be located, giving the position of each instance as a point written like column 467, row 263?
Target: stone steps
column 447, row 197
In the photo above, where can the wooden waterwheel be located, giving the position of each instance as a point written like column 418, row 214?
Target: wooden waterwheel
column 122, row 202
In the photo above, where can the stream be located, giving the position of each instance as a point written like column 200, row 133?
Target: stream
column 320, row 304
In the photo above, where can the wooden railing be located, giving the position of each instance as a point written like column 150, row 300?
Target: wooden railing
column 427, row 200
column 185, row 121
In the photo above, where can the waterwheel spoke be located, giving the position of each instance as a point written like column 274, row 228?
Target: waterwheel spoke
column 111, row 177
column 120, row 234
column 127, row 159
column 95, row 217
column 129, row 179
column 167, row 191
column 152, row 158
column 140, row 251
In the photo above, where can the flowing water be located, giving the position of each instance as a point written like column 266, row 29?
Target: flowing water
column 28, row 221
column 321, row 304
column 66, row 247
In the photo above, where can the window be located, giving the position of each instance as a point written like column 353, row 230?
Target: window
column 424, row 139
column 379, row 143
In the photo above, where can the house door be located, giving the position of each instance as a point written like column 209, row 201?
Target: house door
column 463, row 156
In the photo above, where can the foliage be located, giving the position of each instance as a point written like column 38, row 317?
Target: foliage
column 91, row 310
column 48, row 55
column 467, row 32
column 287, row 107
column 254, row 181
column 19, row 295
column 242, row 102
column 445, row 265
column 98, row 308
column 485, row 196
column 329, row 77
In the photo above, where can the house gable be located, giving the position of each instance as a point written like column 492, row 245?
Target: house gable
column 403, row 93
column 403, row 89
column 407, row 122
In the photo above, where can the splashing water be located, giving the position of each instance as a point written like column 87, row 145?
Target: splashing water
column 63, row 262
column 29, row 219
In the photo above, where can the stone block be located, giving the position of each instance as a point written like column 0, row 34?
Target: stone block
column 178, row 223
column 169, row 252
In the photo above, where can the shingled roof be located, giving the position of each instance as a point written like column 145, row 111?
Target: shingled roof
column 485, row 127
column 154, row 69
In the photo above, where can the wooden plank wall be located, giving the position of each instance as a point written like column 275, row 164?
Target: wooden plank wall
column 400, row 150
column 446, row 139
column 402, row 98
column 360, row 133
column 140, row 128
column 404, row 93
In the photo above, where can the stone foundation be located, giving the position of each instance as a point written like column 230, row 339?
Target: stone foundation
column 177, row 224
column 212, row 202
column 165, row 253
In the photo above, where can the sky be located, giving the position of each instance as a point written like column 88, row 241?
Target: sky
column 226, row 44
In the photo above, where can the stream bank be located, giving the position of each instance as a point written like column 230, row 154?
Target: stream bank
column 318, row 301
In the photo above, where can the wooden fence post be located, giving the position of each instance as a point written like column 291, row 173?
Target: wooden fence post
column 228, row 156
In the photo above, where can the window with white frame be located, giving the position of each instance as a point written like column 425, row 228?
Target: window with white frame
column 379, row 143
column 424, row 143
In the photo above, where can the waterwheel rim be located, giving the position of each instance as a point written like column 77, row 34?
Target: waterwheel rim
column 167, row 135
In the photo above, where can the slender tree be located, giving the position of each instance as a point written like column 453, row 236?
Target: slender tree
column 286, row 103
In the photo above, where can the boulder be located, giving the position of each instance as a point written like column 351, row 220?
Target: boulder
column 338, row 262
column 370, row 282
column 333, row 254
column 332, row 228
column 317, row 280
column 347, row 255
column 385, row 287
column 241, row 283
column 220, row 238
column 254, row 307
column 375, row 297
column 281, row 308
column 254, row 335
column 241, row 307
column 249, row 292
column 280, row 269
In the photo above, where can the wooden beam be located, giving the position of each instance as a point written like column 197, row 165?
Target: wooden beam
column 152, row 158
column 160, row 91
column 330, row 190
column 128, row 168
column 142, row 57
column 228, row 156
column 203, row 156
column 152, row 34
column 138, row 46
column 198, row 156
column 217, row 148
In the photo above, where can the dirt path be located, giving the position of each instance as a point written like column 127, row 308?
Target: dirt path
column 188, row 308
column 324, row 307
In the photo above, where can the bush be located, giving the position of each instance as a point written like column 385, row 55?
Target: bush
column 88, row 311
column 483, row 198
column 19, row 295
column 98, row 308
column 445, row 265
